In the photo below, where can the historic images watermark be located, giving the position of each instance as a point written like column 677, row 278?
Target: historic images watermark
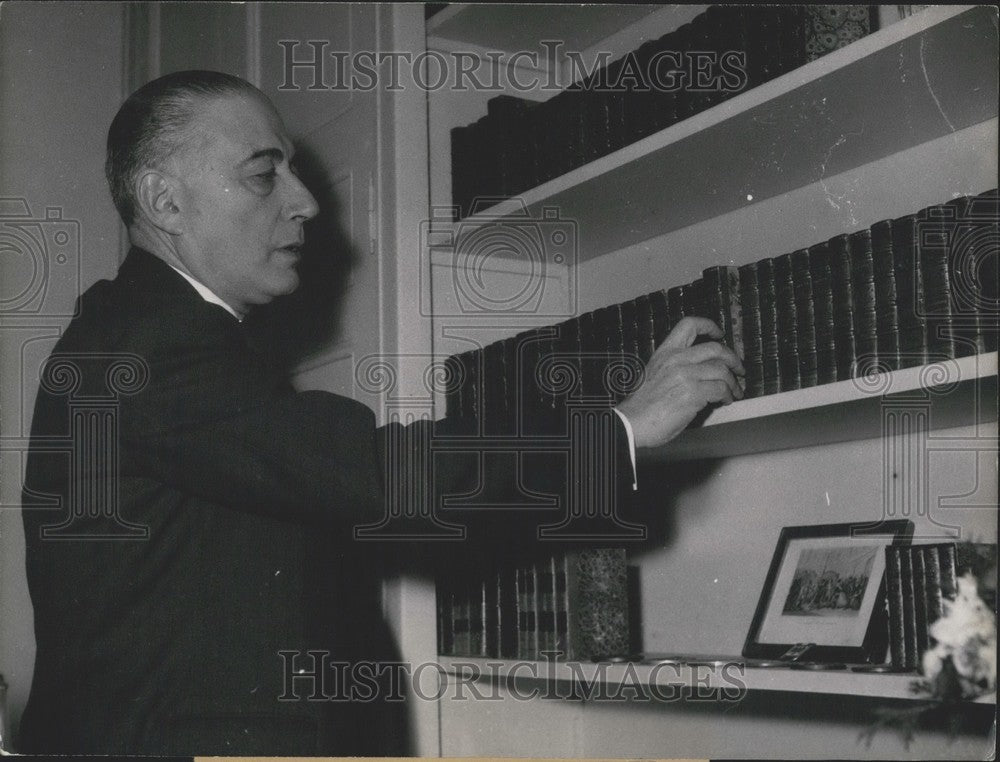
column 310, row 65
column 315, row 675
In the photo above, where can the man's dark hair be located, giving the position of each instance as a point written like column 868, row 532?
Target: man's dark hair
column 150, row 126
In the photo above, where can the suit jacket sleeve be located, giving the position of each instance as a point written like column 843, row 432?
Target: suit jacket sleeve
column 217, row 420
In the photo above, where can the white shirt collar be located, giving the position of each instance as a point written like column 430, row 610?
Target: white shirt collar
column 207, row 294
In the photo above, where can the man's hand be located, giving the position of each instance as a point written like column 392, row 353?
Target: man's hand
column 681, row 378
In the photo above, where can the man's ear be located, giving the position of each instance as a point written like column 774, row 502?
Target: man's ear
column 156, row 195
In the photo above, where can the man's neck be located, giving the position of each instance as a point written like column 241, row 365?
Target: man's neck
column 154, row 246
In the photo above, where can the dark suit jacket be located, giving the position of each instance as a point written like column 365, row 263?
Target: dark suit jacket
column 247, row 493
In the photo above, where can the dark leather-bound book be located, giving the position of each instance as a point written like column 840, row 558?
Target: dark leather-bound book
column 768, row 304
column 703, row 90
column 723, row 304
column 863, row 298
column 805, row 317
column 887, row 336
column 894, row 603
column 645, row 329
column 464, row 167
column 630, row 330
column 793, row 28
column 972, row 258
column 910, row 309
column 752, row 347
column 508, row 610
column 546, row 605
column 640, row 97
column 675, row 304
column 936, row 224
column 787, row 328
column 446, row 612
column 843, row 305
column 909, row 610
column 823, row 323
column 507, row 117
column 919, row 572
column 665, row 81
column 661, row 316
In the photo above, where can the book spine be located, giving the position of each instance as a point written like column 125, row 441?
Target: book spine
column 805, row 317
column 645, row 329
column 932, row 585
column 949, row 573
column 887, row 337
column 894, row 598
column 863, row 298
column 910, row 310
column 445, row 596
column 919, row 600
column 768, row 304
column 509, row 609
column 909, row 612
column 562, row 606
column 546, row 606
column 463, row 612
column 492, row 621
column 462, row 164
column 935, row 225
column 843, row 306
column 823, row 323
column 597, row 603
column 722, row 304
column 477, row 617
column 751, row 330
column 659, row 308
column 788, row 335
column 675, row 304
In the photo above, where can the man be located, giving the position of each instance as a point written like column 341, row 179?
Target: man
column 244, row 492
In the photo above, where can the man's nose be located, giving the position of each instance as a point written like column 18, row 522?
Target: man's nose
column 300, row 204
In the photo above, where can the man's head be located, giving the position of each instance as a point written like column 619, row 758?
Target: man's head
column 199, row 168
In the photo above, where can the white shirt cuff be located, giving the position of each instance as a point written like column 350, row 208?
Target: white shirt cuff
column 631, row 446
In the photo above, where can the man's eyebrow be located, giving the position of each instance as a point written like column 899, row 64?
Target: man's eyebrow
column 265, row 153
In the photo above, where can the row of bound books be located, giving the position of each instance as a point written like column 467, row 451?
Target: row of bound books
column 902, row 293
column 724, row 51
column 574, row 602
column 919, row 579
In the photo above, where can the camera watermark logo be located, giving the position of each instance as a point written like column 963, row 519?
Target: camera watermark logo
column 37, row 252
column 500, row 265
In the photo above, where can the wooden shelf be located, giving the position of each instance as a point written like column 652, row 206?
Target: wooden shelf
column 730, row 678
column 892, row 90
column 958, row 392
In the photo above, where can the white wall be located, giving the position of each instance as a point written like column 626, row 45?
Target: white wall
column 60, row 85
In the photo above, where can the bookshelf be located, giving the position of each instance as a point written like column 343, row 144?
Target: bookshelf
column 710, row 678
column 959, row 392
column 827, row 117
column 899, row 120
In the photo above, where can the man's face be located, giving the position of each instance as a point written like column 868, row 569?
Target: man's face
column 242, row 207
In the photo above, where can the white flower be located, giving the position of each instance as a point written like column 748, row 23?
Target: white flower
column 967, row 633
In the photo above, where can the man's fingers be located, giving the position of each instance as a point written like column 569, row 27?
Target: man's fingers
column 714, row 370
column 718, row 391
column 689, row 329
column 711, row 351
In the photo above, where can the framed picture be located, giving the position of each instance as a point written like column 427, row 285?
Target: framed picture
column 826, row 588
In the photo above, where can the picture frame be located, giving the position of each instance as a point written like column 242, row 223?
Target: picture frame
column 823, row 598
